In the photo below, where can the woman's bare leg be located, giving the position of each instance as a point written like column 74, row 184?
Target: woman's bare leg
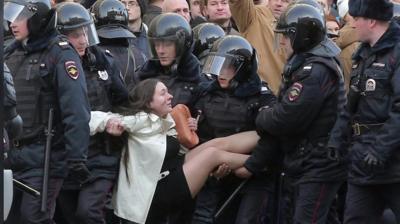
column 198, row 168
column 242, row 142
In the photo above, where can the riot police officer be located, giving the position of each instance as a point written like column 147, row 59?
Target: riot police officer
column 111, row 20
column 170, row 38
column 204, row 35
column 48, row 77
column 374, row 104
column 84, row 202
column 310, row 103
column 229, row 105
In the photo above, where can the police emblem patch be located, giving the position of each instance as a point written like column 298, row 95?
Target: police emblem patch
column 294, row 91
column 103, row 75
column 72, row 70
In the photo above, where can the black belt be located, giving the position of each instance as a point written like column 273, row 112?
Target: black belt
column 360, row 129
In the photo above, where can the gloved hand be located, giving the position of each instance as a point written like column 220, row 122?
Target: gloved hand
column 79, row 172
column 372, row 159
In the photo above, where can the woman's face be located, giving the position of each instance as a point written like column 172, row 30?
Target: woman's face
column 161, row 103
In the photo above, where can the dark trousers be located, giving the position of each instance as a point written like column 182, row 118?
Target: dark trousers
column 366, row 204
column 314, row 203
column 26, row 208
column 251, row 206
column 86, row 205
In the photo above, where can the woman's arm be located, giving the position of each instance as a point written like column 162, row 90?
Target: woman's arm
column 99, row 121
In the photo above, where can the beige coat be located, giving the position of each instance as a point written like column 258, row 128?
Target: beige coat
column 147, row 147
column 256, row 24
column 348, row 43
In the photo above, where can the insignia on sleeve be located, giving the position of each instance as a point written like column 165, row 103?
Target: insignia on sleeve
column 294, row 91
column 71, row 69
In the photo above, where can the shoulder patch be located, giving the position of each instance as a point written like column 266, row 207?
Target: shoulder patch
column 295, row 91
column 71, row 69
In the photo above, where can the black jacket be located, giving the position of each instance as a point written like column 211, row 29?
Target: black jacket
column 376, row 73
column 47, row 73
column 303, row 118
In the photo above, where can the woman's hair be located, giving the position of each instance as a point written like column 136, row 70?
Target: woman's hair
column 139, row 99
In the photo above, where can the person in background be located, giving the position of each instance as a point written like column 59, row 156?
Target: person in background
column 347, row 41
column 180, row 7
column 136, row 10
column 196, row 12
column 111, row 20
column 332, row 27
column 153, row 10
column 218, row 12
column 256, row 24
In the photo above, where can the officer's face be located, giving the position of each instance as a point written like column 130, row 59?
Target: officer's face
column 133, row 9
column 362, row 29
column 166, row 52
column 217, row 11
column 278, row 7
column 161, row 103
column 19, row 29
column 286, row 45
column 226, row 75
column 79, row 40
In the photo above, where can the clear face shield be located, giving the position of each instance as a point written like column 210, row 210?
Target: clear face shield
column 87, row 32
column 217, row 65
column 282, row 41
column 14, row 12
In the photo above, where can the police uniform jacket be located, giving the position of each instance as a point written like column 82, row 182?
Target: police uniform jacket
column 127, row 57
column 105, row 90
column 376, row 73
column 305, row 115
column 48, row 74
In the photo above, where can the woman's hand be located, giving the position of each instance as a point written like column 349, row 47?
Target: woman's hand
column 114, row 126
column 222, row 171
column 242, row 172
column 192, row 122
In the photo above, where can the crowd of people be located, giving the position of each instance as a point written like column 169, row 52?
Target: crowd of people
column 291, row 111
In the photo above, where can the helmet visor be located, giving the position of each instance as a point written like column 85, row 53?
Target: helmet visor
column 217, row 64
column 86, row 32
column 16, row 12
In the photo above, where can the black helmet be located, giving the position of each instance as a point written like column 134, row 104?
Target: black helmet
column 396, row 11
column 304, row 25
column 41, row 18
column 313, row 3
column 111, row 19
column 110, row 12
column 73, row 16
column 204, row 35
column 172, row 27
column 230, row 51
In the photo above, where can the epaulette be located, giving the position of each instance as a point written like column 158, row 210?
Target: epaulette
column 265, row 89
column 64, row 44
column 109, row 53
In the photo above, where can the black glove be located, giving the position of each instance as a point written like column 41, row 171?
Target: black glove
column 79, row 172
column 372, row 159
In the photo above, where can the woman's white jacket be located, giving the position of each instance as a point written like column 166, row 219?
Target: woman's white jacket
column 147, row 146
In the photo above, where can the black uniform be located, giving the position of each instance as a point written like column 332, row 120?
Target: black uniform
column 375, row 109
column 105, row 90
column 47, row 74
column 228, row 111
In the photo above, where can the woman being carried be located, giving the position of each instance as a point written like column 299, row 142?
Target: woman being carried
column 154, row 178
